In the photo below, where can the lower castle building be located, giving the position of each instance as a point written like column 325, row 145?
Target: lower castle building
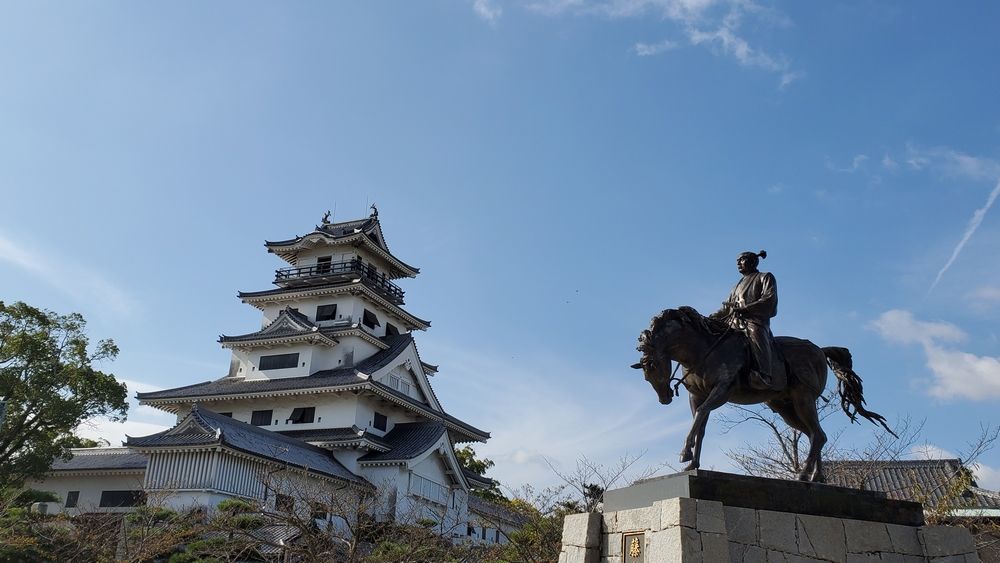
column 329, row 396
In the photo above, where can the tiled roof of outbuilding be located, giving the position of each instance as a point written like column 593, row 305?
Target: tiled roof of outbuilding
column 925, row 480
column 490, row 512
column 203, row 427
column 101, row 459
column 407, row 441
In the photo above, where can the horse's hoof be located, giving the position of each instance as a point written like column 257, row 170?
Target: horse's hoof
column 818, row 478
column 686, row 455
column 690, row 467
column 804, row 477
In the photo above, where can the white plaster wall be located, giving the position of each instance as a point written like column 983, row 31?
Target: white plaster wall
column 90, row 487
column 333, row 410
column 365, row 415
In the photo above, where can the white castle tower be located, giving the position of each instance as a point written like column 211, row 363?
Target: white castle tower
column 331, row 385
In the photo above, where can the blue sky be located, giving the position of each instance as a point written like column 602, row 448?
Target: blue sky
column 560, row 170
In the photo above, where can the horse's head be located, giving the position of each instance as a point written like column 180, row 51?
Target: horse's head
column 655, row 366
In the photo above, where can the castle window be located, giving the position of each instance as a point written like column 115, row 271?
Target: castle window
column 381, row 422
column 318, row 511
column 302, row 415
column 279, row 361
column 326, row 312
column 72, row 498
column 391, row 329
column 323, row 264
column 261, row 418
column 115, row 499
column 370, row 320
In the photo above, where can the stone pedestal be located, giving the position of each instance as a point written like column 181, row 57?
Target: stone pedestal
column 707, row 516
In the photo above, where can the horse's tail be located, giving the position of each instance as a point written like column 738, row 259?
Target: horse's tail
column 849, row 386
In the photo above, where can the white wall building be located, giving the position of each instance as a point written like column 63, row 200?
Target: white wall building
column 331, row 387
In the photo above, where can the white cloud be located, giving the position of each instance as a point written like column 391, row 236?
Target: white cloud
column 987, row 477
column 81, row 283
column 955, row 374
column 856, row 164
column 700, row 20
column 930, row 451
column 985, row 296
column 649, row 49
column 888, row 163
column 487, row 10
column 547, row 409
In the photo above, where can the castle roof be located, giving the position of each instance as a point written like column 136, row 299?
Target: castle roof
column 407, row 441
column 342, row 379
column 205, row 428
column 101, row 459
column 339, row 437
column 365, row 233
column 261, row 298
column 292, row 327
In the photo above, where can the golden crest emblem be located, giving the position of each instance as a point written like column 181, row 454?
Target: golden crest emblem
column 634, row 548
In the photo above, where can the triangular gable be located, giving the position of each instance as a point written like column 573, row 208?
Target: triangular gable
column 288, row 321
column 409, row 360
column 446, row 451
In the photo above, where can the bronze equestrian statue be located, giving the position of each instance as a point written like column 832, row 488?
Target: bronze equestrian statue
column 731, row 356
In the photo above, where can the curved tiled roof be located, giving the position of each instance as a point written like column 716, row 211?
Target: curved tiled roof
column 101, row 459
column 334, row 435
column 333, row 288
column 325, row 378
column 370, row 229
column 925, row 480
column 407, row 441
column 204, row 427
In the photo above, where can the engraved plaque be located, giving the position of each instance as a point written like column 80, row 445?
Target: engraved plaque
column 633, row 547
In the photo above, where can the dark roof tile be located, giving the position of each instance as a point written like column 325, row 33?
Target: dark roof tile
column 95, row 459
column 925, row 480
column 407, row 441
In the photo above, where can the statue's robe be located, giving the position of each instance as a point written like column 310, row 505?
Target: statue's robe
column 757, row 293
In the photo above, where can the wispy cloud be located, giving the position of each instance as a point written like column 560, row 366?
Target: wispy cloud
column 80, row 282
column 650, row 49
column 532, row 422
column 857, row 163
column 715, row 24
column 954, row 164
column 984, row 297
column 487, row 10
column 955, row 374
column 888, row 163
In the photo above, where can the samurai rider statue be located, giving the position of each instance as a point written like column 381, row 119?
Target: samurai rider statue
column 749, row 309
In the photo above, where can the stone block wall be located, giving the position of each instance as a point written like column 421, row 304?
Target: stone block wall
column 685, row 530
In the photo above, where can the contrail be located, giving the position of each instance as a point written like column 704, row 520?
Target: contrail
column 977, row 218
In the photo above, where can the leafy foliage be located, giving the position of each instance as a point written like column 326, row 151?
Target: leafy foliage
column 49, row 386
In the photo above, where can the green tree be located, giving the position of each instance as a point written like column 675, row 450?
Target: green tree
column 467, row 457
column 49, row 386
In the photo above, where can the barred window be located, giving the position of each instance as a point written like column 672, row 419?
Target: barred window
column 302, row 415
column 261, row 418
column 326, row 312
column 279, row 361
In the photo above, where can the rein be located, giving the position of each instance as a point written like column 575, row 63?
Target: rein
column 680, row 380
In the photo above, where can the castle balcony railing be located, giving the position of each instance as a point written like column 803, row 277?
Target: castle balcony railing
column 325, row 273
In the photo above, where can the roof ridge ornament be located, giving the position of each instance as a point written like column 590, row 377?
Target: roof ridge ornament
column 374, row 209
column 326, row 218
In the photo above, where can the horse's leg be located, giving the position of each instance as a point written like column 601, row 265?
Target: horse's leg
column 715, row 399
column 804, row 402
column 786, row 410
column 687, row 452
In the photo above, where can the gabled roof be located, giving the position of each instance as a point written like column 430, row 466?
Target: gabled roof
column 344, row 379
column 293, row 327
column 261, row 298
column 203, row 428
column 347, row 436
column 362, row 232
column 101, row 459
column 926, row 480
column 407, row 441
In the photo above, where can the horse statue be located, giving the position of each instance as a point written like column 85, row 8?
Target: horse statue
column 717, row 362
